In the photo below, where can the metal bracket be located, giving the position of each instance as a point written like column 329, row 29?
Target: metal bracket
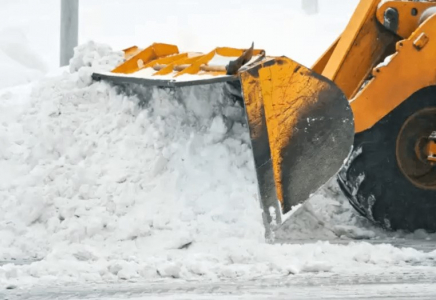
column 421, row 41
column 391, row 19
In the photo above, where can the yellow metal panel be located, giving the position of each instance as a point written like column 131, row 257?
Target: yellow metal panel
column 139, row 60
column 194, row 68
column 162, row 50
column 166, row 60
column 233, row 52
column 230, row 52
column 361, row 47
column 254, row 107
column 286, row 94
column 307, row 119
column 320, row 64
column 409, row 70
column 131, row 51
column 170, row 67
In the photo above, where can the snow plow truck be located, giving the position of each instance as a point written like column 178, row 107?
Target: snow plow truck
column 365, row 112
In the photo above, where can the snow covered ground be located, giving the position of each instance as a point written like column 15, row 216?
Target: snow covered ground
column 97, row 192
column 410, row 286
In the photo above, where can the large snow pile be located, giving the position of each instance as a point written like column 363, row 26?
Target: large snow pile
column 99, row 190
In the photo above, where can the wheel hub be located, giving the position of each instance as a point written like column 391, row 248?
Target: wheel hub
column 431, row 147
column 416, row 148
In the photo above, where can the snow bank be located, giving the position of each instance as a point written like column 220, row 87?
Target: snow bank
column 98, row 190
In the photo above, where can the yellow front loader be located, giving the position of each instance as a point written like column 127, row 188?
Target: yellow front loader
column 365, row 111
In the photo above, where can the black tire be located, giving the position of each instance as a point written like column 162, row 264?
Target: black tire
column 385, row 194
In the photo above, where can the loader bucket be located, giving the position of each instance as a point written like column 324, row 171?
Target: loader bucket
column 301, row 127
column 300, row 123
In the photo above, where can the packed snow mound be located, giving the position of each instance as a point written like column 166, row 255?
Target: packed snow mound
column 19, row 62
column 93, row 57
column 100, row 190
column 96, row 56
